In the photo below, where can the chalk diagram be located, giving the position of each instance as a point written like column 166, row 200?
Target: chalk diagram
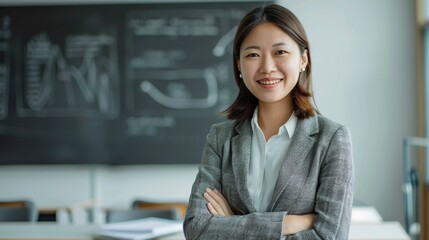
column 79, row 83
column 179, row 97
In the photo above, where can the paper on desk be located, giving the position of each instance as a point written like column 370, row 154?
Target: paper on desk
column 365, row 215
column 145, row 228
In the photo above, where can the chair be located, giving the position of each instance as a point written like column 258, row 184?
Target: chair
column 18, row 211
column 133, row 214
column 180, row 207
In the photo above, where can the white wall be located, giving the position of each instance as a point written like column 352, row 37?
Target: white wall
column 364, row 77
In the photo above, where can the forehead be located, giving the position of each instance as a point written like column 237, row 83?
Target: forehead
column 267, row 34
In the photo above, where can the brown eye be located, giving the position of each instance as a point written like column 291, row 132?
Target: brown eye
column 252, row 55
column 281, row 52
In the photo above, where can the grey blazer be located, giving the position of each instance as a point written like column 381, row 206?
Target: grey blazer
column 316, row 177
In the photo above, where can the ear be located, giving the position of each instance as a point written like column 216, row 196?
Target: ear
column 304, row 59
column 238, row 65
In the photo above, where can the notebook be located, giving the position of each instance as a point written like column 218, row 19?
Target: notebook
column 140, row 229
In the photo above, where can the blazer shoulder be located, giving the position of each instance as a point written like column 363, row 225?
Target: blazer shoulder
column 223, row 127
column 326, row 124
column 223, row 130
column 328, row 127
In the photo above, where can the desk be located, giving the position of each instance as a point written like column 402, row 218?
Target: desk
column 45, row 230
column 367, row 224
column 365, row 215
column 380, row 231
column 51, row 231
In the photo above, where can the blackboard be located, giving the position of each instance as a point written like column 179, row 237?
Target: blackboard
column 114, row 84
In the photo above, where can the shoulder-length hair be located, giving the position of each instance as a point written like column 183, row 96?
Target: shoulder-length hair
column 245, row 103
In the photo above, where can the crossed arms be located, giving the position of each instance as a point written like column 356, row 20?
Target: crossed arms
column 212, row 216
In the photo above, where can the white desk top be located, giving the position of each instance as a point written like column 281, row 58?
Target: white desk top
column 381, row 231
column 21, row 231
column 366, row 215
column 54, row 231
column 48, row 230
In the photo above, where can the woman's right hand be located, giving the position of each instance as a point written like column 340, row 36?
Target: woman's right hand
column 217, row 203
column 296, row 223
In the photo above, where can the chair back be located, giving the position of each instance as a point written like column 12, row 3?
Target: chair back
column 179, row 207
column 18, row 211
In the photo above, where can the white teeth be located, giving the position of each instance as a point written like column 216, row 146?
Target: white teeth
column 269, row 82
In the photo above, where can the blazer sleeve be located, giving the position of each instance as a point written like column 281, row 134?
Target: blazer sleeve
column 201, row 224
column 334, row 196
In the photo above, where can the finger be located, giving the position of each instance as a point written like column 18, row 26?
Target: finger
column 211, row 209
column 216, row 196
column 220, row 199
column 215, row 200
column 227, row 207
column 214, row 203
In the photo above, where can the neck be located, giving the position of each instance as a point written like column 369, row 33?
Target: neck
column 273, row 115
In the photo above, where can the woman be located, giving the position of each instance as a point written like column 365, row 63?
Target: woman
column 278, row 169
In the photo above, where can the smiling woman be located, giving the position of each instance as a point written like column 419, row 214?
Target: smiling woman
column 278, row 169
column 270, row 63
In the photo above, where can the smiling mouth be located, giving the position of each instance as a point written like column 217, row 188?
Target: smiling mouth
column 269, row 82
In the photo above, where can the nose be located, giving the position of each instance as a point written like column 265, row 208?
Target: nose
column 268, row 65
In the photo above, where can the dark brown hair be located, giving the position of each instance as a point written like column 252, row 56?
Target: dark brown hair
column 245, row 103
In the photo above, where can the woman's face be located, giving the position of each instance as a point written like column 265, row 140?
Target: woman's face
column 270, row 63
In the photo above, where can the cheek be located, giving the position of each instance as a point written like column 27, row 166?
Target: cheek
column 247, row 84
column 292, row 70
column 249, row 68
column 250, row 85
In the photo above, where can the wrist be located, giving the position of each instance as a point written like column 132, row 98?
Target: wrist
column 296, row 223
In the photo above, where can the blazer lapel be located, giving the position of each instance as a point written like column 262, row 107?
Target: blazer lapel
column 241, row 148
column 295, row 161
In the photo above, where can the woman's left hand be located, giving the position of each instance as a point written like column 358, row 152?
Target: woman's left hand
column 217, row 204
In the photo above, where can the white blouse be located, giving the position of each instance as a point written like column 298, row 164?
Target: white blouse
column 266, row 159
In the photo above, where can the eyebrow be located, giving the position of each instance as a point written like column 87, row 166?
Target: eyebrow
column 257, row 47
column 252, row 47
column 280, row 44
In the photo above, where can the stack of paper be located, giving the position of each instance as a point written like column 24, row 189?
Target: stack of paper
column 140, row 229
column 364, row 215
